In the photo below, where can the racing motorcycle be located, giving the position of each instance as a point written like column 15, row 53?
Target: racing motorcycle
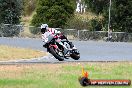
column 59, row 47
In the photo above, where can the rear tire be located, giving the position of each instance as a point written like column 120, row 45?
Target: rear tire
column 52, row 51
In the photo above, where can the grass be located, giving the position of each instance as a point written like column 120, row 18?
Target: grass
column 12, row 53
column 61, row 75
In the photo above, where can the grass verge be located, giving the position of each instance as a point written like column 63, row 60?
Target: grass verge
column 62, row 75
column 12, row 53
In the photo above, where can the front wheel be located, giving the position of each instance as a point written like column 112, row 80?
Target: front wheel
column 75, row 55
column 55, row 54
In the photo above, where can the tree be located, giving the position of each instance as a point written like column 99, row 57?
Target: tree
column 53, row 12
column 121, row 13
column 97, row 6
column 10, row 11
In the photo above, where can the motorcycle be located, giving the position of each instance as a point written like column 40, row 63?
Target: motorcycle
column 59, row 47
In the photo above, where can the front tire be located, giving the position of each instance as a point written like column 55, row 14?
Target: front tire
column 75, row 56
column 54, row 53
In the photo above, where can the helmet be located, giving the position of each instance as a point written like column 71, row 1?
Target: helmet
column 44, row 27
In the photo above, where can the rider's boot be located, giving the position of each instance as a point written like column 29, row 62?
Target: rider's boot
column 72, row 46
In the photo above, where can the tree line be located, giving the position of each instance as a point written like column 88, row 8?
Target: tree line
column 56, row 13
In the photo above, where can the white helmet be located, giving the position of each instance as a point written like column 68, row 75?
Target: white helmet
column 44, row 27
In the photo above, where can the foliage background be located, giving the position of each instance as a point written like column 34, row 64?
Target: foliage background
column 10, row 11
column 62, row 14
column 121, row 15
column 53, row 12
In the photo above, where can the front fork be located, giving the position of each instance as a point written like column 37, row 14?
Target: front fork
column 66, row 50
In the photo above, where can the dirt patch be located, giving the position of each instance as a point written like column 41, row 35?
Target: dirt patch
column 15, row 53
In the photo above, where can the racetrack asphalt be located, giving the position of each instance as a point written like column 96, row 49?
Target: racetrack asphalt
column 89, row 50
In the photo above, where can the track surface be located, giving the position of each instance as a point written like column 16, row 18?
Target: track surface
column 90, row 50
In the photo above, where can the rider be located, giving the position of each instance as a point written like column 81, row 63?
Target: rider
column 46, row 32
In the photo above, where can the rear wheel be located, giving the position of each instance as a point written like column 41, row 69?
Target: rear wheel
column 57, row 55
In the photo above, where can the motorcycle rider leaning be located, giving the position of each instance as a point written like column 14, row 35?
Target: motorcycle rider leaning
column 46, row 32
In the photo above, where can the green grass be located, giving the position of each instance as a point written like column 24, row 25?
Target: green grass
column 15, row 82
column 63, row 75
